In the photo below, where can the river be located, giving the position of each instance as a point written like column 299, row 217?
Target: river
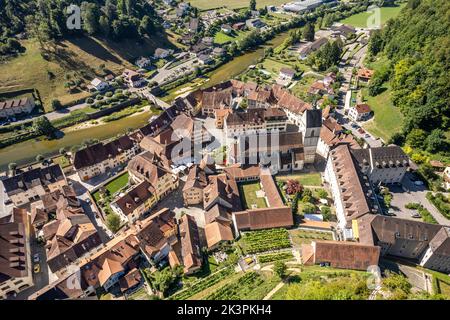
column 241, row 63
column 25, row 152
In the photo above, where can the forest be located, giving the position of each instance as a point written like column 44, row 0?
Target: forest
column 417, row 45
column 46, row 20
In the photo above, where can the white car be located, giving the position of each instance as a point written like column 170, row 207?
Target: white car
column 36, row 258
column 418, row 183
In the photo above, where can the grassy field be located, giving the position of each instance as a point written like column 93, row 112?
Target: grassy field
column 248, row 193
column 79, row 57
column 387, row 118
column 114, row 185
column 221, row 37
column 306, row 179
column 63, row 161
column 300, row 236
column 362, row 19
column 232, row 4
column 274, row 66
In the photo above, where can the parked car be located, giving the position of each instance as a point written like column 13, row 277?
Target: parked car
column 418, row 183
column 37, row 268
column 36, row 258
column 415, row 215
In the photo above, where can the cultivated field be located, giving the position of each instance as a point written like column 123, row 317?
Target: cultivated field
column 233, row 4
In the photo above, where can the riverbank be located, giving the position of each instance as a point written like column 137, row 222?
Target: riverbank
column 25, row 152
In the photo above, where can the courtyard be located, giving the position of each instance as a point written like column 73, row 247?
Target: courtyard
column 252, row 195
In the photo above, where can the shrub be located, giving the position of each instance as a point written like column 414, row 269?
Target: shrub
column 89, row 101
column 412, row 205
column 308, row 208
column 113, row 222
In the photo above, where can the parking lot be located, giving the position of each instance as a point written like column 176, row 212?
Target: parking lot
column 409, row 192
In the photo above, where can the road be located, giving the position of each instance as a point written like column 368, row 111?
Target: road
column 41, row 279
column 346, row 71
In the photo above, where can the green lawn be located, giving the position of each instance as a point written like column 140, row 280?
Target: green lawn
column 300, row 236
column 232, row 4
column 114, row 185
column 248, row 194
column 62, row 161
column 306, row 179
column 362, row 19
column 274, row 66
column 221, row 37
column 387, row 118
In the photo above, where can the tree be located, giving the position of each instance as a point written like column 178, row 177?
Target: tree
column 253, row 5
column 326, row 213
column 375, row 86
column 308, row 32
column 416, row 138
column 104, row 25
column 436, row 141
column 319, row 22
column 162, row 280
column 146, row 26
column 42, row 126
column 62, row 151
column 91, row 16
column 113, row 222
column 398, row 286
column 322, row 193
column 308, row 208
column 39, row 157
column 397, row 138
column 387, row 199
column 293, row 187
column 279, row 268
column 56, row 105
column 375, row 42
column 12, row 166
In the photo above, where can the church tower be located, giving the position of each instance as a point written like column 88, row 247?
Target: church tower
column 310, row 128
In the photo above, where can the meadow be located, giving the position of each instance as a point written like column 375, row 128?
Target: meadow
column 362, row 19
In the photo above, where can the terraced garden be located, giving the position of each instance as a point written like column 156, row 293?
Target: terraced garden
column 264, row 258
column 202, row 284
column 301, row 236
column 265, row 240
column 251, row 286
